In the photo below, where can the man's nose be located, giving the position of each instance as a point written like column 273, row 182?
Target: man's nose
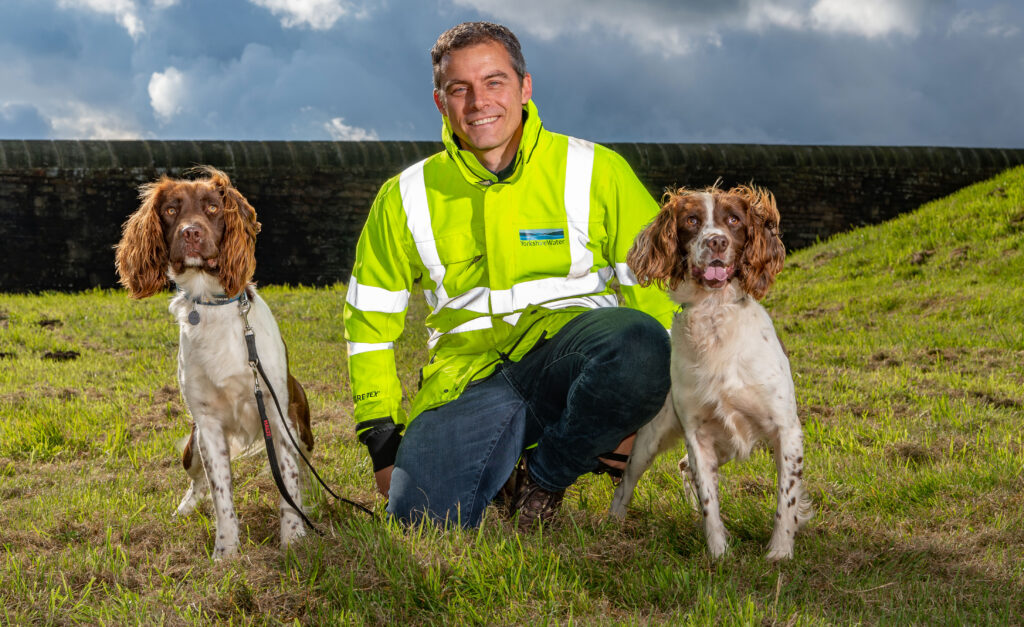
column 478, row 99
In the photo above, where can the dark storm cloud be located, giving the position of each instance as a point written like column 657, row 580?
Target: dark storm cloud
column 777, row 71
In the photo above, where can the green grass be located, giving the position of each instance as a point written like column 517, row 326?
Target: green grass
column 907, row 343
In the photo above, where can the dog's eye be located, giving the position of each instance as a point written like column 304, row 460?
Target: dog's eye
column 212, row 209
column 692, row 221
column 170, row 210
column 732, row 220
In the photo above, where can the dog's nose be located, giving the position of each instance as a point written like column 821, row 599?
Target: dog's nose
column 718, row 243
column 192, row 234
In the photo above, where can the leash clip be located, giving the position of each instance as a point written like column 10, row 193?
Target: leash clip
column 243, row 309
column 250, row 336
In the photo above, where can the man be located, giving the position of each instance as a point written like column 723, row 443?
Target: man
column 515, row 234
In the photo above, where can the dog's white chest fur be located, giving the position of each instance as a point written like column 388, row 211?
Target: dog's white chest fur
column 213, row 367
column 730, row 366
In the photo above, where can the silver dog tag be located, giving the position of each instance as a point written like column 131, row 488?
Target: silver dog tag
column 193, row 316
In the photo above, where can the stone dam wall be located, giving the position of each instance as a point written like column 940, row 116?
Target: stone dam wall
column 62, row 202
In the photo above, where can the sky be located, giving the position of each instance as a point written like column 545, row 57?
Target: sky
column 840, row 72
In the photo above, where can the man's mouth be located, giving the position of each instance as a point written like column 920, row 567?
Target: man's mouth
column 483, row 121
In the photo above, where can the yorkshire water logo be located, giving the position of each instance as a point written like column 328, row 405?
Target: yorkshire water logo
column 541, row 237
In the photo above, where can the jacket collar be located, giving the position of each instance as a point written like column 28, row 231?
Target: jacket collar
column 470, row 166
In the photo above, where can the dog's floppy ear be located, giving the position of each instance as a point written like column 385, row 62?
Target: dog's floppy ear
column 141, row 255
column 237, row 261
column 763, row 254
column 656, row 256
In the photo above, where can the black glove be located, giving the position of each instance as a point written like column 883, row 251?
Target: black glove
column 381, row 437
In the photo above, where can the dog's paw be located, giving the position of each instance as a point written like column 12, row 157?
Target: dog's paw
column 718, row 546
column 292, row 529
column 779, row 553
column 620, row 500
column 225, row 551
column 616, row 513
column 187, row 505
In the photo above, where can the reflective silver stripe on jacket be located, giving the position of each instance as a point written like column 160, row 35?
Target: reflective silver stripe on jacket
column 547, row 291
column 354, row 348
column 579, row 167
column 552, row 292
column 625, row 275
column 369, row 298
column 476, row 324
column 413, row 188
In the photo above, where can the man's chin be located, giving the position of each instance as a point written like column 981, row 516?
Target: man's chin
column 481, row 143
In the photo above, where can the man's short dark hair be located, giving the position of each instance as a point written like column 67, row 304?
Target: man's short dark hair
column 471, row 33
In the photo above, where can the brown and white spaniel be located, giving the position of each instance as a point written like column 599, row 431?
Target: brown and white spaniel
column 201, row 234
column 717, row 252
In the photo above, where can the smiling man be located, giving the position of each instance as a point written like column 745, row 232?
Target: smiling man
column 535, row 376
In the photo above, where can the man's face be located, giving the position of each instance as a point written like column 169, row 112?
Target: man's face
column 483, row 99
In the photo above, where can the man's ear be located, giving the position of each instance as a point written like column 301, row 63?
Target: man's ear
column 527, row 88
column 439, row 102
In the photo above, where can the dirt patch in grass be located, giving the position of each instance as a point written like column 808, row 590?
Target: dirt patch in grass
column 756, row 487
column 988, row 398
column 165, row 411
column 958, row 256
column 920, row 257
column 824, row 257
column 818, row 312
column 911, row 452
column 830, row 414
column 61, row 355
column 883, row 359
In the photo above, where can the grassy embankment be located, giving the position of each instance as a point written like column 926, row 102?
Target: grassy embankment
column 907, row 342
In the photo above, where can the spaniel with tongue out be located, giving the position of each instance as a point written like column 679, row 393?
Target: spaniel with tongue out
column 717, row 252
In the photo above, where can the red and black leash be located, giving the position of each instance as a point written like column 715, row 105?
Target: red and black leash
column 257, row 371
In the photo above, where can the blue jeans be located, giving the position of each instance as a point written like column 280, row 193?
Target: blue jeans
column 577, row 395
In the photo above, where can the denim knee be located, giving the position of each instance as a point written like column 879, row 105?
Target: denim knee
column 640, row 354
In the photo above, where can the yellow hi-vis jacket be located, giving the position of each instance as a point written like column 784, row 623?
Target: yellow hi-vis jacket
column 501, row 263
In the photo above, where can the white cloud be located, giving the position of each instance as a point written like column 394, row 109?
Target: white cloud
column 678, row 28
column 78, row 120
column 164, row 4
column 649, row 25
column 992, row 23
column 316, row 14
column 762, row 15
column 339, row 131
column 125, row 11
column 867, row 18
column 167, row 92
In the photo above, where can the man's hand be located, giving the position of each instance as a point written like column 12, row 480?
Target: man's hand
column 383, row 478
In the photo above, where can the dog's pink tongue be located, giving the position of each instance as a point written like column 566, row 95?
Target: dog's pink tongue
column 715, row 273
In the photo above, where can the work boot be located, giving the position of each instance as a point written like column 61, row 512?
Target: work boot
column 535, row 504
column 509, row 493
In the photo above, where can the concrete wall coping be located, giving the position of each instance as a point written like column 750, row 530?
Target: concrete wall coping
column 391, row 155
